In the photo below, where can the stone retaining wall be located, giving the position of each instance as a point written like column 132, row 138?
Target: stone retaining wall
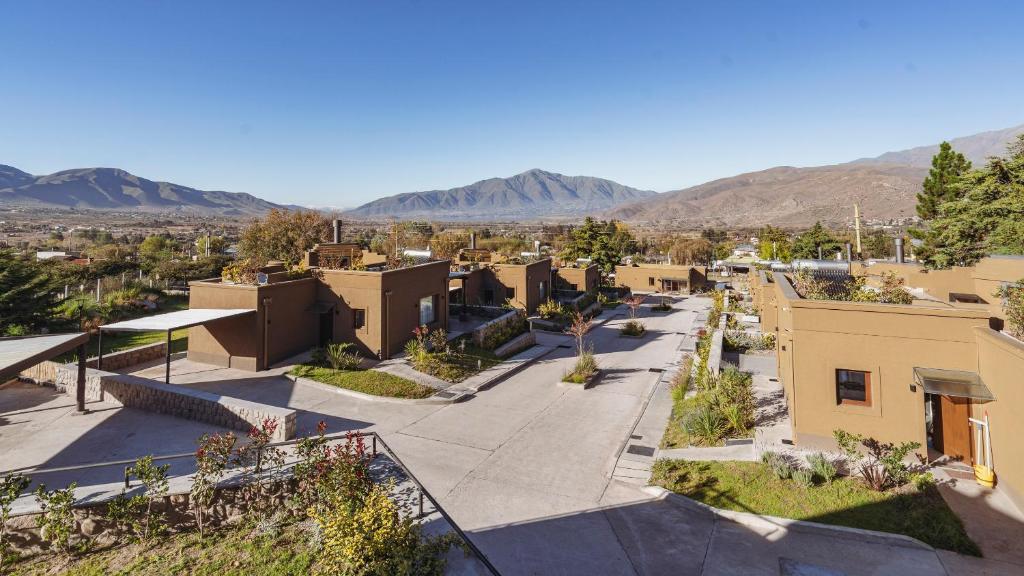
column 131, row 357
column 487, row 329
column 517, row 344
column 230, row 504
column 47, row 371
column 180, row 401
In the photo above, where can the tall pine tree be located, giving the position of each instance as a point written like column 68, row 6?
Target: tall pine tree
column 940, row 184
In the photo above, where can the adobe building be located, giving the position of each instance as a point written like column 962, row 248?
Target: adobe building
column 582, row 278
column 345, row 299
column 940, row 371
column 480, row 277
column 661, row 278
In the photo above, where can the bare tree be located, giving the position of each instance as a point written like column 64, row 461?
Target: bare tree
column 579, row 327
column 634, row 302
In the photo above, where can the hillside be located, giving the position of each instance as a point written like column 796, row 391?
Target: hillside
column 977, row 148
column 114, row 189
column 885, row 187
column 786, row 196
column 531, row 195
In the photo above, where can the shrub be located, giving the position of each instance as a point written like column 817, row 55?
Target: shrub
column 342, row 356
column 735, row 417
column 212, row 459
column 922, row 480
column 57, row 520
column 681, row 381
column 706, row 425
column 123, row 512
column 822, row 467
column 241, row 272
column 376, row 538
column 10, row 488
column 1013, row 305
column 880, row 464
column 331, row 477
column 778, row 464
column 551, row 310
column 633, row 328
column 803, row 477
column 154, row 478
column 781, row 469
column 583, row 370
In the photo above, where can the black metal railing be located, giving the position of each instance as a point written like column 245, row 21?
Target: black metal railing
column 376, row 444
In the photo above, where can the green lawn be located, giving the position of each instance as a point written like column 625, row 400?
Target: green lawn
column 366, row 381
column 751, row 487
column 233, row 551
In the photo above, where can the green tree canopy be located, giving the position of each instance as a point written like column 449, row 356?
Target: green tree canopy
column 603, row 242
column 807, row 244
column 26, row 294
column 155, row 249
column 986, row 217
column 774, row 244
column 941, row 184
column 284, row 235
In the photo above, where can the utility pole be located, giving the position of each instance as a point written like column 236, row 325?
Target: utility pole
column 856, row 227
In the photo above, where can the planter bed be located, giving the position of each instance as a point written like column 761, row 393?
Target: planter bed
column 373, row 382
column 588, row 383
column 846, row 501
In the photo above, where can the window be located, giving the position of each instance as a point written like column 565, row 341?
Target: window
column 543, row 287
column 488, row 296
column 510, row 293
column 853, row 387
column 650, row 280
column 427, row 310
column 358, row 318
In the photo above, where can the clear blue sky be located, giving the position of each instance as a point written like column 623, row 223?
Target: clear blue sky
column 336, row 103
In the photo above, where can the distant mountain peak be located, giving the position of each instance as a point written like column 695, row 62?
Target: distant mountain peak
column 116, row 189
column 533, row 194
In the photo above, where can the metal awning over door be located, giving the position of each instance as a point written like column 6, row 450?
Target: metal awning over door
column 954, row 383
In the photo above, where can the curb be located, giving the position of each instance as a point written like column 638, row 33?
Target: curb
column 764, row 521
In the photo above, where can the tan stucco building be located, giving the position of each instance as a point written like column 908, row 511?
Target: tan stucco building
column 582, row 278
column 489, row 282
column 933, row 371
column 376, row 309
column 661, row 277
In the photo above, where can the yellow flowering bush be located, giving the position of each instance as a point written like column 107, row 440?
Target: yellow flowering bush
column 376, row 538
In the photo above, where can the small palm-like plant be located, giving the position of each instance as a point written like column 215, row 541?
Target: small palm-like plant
column 342, row 356
column 706, row 426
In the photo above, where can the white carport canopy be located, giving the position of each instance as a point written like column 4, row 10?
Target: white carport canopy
column 170, row 322
column 20, row 353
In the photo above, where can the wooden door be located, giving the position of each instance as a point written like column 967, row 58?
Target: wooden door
column 952, row 431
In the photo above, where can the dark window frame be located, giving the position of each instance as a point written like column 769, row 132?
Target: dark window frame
column 843, row 380
column 358, row 318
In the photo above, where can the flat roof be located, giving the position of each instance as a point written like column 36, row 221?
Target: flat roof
column 176, row 320
column 19, row 353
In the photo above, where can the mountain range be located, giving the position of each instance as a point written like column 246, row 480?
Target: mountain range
column 884, row 187
column 115, row 189
column 530, row 195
